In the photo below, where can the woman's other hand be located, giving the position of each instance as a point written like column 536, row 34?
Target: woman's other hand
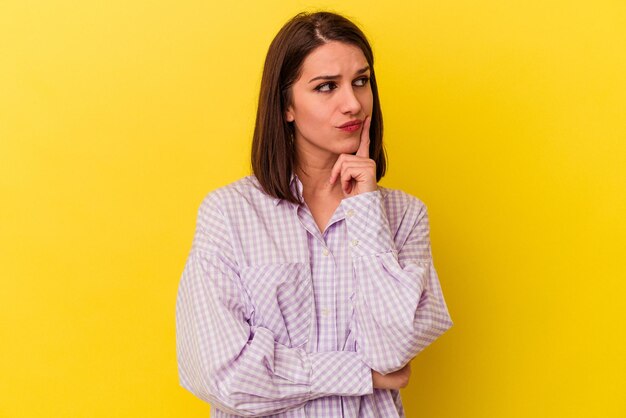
column 396, row 380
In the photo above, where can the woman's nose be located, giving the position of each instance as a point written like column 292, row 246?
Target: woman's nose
column 349, row 102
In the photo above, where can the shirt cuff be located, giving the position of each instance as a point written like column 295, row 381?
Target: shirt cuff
column 367, row 224
column 340, row 373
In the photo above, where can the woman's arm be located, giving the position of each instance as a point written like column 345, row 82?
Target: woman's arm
column 399, row 308
column 238, row 368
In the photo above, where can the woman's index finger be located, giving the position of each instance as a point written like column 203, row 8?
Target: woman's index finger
column 364, row 145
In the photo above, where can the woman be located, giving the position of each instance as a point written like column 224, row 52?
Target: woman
column 309, row 288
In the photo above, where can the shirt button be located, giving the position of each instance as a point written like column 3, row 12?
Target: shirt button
column 354, row 242
column 324, row 312
column 350, row 213
column 325, row 252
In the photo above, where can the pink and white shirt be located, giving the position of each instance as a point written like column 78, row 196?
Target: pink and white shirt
column 275, row 318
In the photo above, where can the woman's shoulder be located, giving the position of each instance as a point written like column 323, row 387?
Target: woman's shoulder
column 401, row 201
column 244, row 191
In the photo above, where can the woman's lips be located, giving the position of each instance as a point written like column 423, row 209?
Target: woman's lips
column 351, row 128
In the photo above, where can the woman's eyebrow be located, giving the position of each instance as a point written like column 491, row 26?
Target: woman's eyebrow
column 333, row 77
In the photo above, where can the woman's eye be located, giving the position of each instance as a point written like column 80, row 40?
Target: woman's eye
column 326, row 87
column 361, row 81
column 331, row 85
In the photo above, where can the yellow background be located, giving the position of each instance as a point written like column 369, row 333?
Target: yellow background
column 508, row 119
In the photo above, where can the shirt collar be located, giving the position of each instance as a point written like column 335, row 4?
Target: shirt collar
column 295, row 185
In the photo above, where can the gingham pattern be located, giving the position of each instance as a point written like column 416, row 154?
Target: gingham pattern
column 274, row 318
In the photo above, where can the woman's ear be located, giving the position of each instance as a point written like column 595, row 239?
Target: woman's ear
column 289, row 114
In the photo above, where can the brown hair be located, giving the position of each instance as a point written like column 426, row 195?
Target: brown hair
column 273, row 150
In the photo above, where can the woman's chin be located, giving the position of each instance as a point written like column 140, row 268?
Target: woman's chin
column 350, row 146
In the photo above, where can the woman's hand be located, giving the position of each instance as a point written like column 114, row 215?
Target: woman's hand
column 396, row 380
column 357, row 172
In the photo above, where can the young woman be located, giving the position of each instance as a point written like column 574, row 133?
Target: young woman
column 309, row 288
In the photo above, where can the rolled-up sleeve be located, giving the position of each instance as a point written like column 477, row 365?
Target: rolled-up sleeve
column 237, row 367
column 399, row 308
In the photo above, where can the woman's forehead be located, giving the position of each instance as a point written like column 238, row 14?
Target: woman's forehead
column 334, row 58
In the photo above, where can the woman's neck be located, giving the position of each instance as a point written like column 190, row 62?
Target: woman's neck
column 315, row 180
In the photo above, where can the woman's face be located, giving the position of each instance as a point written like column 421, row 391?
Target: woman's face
column 332, row 90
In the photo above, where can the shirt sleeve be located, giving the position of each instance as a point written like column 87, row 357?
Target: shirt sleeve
column 399, row 308
column 240, row 368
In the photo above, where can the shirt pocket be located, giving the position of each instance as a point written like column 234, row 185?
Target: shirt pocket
column 282, row 300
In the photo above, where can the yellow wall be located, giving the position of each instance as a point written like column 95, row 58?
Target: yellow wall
column 507, row 118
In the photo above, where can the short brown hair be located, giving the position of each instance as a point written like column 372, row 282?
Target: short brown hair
column 273, row 151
